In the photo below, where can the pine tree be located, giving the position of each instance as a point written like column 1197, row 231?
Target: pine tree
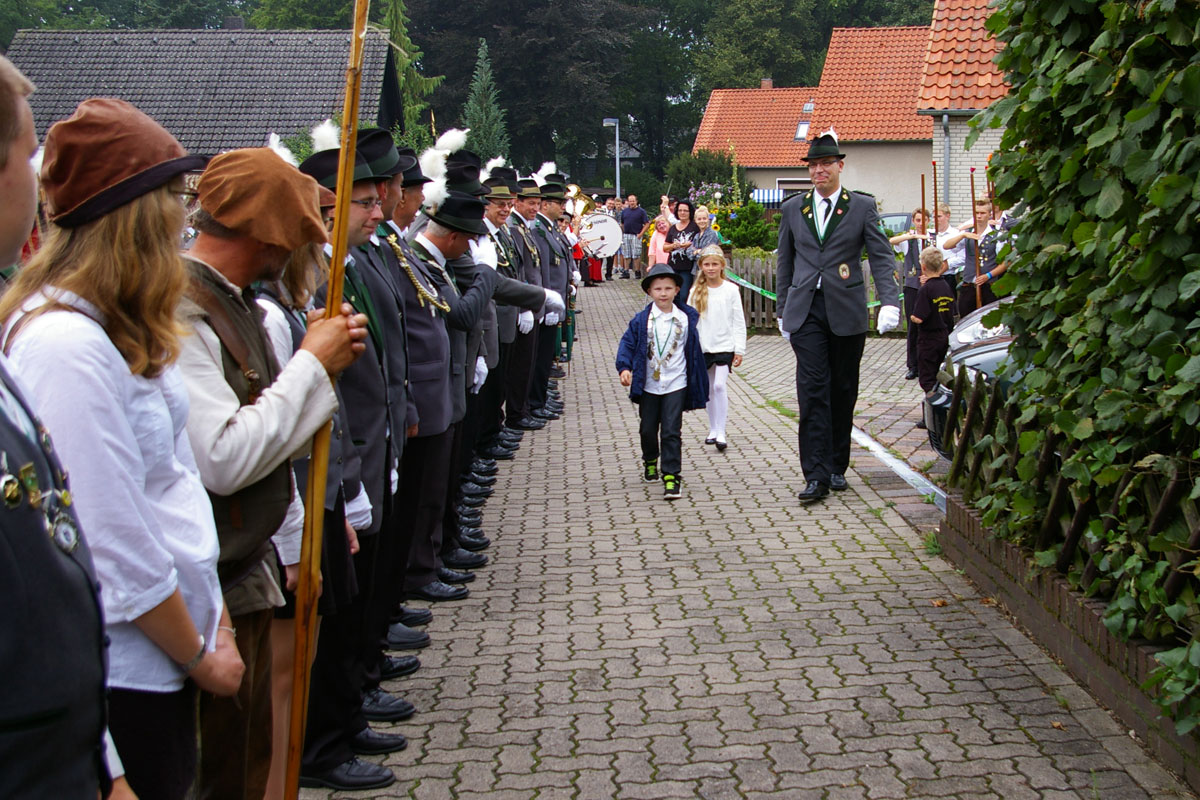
column 482, row 114
column 414, row 87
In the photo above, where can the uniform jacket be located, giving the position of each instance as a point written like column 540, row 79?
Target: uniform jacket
column 428, row 350
column 528, row 254
column 803, row 258
column 556, row 267
column 631, row 355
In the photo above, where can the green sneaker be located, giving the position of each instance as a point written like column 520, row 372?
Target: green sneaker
column 651, row 474
column 672, row 487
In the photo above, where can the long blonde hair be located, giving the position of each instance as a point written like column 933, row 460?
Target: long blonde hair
column 126, row 264
column 699, row 298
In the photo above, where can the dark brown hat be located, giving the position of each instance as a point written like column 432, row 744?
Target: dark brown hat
column 105, row 155
column 461, row 212
column 379, row 151
column 257, row 194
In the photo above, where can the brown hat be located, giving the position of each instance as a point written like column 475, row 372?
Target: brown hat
column 326, row 198
column 258, row 194
column 105, row 155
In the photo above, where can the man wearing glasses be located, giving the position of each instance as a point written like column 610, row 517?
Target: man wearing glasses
column 822, row 308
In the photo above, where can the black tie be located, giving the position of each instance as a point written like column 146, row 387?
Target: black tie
column 828, row 208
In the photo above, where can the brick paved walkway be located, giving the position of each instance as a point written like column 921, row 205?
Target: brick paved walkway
column 734, row 644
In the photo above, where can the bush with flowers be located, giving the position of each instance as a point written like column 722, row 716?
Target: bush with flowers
column 746, row 226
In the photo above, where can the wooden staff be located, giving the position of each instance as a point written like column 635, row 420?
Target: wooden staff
column 924, row 214
column 314, row 495
column 935, row 202
column 991, row 187
column 978, row 243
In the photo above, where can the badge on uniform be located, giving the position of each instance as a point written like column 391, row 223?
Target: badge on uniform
column 28, row 477
column 844, row 271
column 63, row 531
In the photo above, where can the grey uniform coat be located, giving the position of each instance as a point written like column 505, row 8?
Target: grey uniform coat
column 528, row 255
column 556, row 270
column 803, row 258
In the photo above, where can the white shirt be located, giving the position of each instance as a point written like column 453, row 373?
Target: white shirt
column 956, row 258
column 661, row 332
column 722, row 326
column 137, row 489
column 820, row 206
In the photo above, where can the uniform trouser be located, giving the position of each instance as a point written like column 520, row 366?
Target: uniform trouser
column 966, row 297
column 491, row 406
column 520, row 375
column 421, row 506
column 235, row 732
column 910, row 300
column 155, row 735
column 453, row 482
column 338, row 670
column 827, row 390
column 547, row 350
column 660, row 426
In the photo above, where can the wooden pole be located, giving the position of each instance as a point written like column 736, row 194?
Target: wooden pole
column 978, row 244
column 314, row 495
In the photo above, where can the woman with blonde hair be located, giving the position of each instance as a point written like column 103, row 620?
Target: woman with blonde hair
column 89, row 325
column 722, row 330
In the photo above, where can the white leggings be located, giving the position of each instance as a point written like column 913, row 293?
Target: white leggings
column 718, row 401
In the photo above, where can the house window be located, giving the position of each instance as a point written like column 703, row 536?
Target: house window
column 802, row 131
column 808, row 107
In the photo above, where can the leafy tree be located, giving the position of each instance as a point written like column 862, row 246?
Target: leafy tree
column 488, row 135
column 306, row 14
column 1100, row 149
column 18, row 14
column 686, row 171
column 641, row 182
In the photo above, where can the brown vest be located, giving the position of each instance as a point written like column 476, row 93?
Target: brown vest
column 248, row 518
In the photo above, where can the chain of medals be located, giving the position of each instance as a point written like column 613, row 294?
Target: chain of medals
column 537, row 258
column 423, row 294
column 656, row 350
column 53, row 502
column 502, row 259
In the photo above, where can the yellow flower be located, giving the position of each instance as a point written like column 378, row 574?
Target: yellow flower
column 715, row 227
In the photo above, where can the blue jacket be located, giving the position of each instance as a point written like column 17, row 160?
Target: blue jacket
column 631, row 355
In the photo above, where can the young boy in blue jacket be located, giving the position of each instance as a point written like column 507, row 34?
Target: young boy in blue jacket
column 660, row 359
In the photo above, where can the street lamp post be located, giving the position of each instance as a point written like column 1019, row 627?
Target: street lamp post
column 614, row 122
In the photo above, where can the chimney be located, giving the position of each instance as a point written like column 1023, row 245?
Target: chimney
column 767, row 83
column 234, row 24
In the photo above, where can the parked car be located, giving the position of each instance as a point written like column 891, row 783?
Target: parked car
column 982, row 350
column 895, row 223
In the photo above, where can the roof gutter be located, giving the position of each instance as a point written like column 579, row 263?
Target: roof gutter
column 954, row 112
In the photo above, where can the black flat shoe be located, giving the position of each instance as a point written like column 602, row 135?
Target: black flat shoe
column 379, row 706
column 472, row 489
column 479, row 480
column 350, row 776
column 409, row 617
column 484, row 466
column 911, row 375
column 838, row 483
column 813, row 492
column 453, row 577
column 721, row 446
column 543, row 415
column 557, row 372
column 528, row 423
column 471, row 501
column 514, row 433
column 710, row 440
column 474, row 543
column 464, row 559
column 397, row 667
column 498, row 453
column 402, row 637
column 373, row 743
column 438, row 592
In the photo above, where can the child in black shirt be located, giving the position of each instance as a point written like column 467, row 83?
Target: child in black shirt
column 933, row 314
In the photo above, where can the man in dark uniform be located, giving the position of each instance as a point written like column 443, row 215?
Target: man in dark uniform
column 517, row 402
column 556, row 275
column 822, row 308
column 52, row 654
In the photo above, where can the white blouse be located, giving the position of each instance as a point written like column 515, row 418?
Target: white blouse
column 145, row 513
column 722, row 327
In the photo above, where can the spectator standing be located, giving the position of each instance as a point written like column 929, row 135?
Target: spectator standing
column 634, row 222
column 657, row 255
column 949, row 240
column 679, row 239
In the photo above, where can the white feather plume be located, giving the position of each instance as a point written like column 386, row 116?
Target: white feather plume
column 452, row 140
column 435, row 191
column 498, row 161
column 281, row 150
column 831, row 132
column 36, row 161
column 325, row 137
column 546, row 169
column 433, row 163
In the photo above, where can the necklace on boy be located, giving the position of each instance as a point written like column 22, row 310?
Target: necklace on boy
column 674, row 334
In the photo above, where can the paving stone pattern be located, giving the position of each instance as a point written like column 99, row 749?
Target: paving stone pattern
column 732, row 644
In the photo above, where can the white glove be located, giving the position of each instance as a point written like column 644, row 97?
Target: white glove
column 574, row 289
column 554, row 303
column 395, row 480
column 481, row 373
column 551, row 318
column 358, row 510
column 575, row 276
column 888, row 320
column 525, row 321
column 787, row 337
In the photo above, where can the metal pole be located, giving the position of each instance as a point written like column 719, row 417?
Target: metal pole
column 617, row 128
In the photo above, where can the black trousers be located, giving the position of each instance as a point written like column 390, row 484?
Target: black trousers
column 931, row 352
column 520, row 375
column 155, row 735
column 910, row 300
column 421, row 505
column 453, row 481
column 661, row 423
column 542, row 364
column 966, row 297
column 827, row 390
column 490, row 414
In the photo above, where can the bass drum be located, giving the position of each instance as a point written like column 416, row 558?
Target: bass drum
column 600, row 235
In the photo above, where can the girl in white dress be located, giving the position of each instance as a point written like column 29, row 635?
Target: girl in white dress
column 722, row 331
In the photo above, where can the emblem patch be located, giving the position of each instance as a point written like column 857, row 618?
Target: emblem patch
column 844, row 271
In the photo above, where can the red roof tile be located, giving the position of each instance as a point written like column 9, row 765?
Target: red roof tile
column 759, row 123
column 959, row 68
column 870, row 83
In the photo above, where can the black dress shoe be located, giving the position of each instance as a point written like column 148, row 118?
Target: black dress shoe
column 711, row 440
column 813, row 492
column 511, row 432
column 351, row 776
column 555, row 396
column 412, row 616
column 557, row 372
column 438, row 592
column 379, row 706
column 398, row 666
column 471, row 501
column 481, row 480
column 474, row 543
column 484, row 466
column 469, row 517
column 507, row 442
column 464, row 559
column 373, row 743
column 544, row 414
column 402, row 637
column 497, row 453
column 554, row 408
column 471, row 489
column 453, row 576
column 837, row 483
column 911, row 375
column 528, row 423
